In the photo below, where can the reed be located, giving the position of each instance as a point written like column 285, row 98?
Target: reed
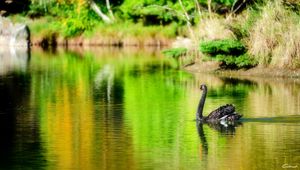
column 275, row 37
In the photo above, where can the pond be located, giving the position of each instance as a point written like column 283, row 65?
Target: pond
column 107, row 108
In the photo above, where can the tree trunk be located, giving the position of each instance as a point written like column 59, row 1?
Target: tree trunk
column 188, row 22
column 109, row 10
column 198, row 7
column 98, row 11
column 209, row 8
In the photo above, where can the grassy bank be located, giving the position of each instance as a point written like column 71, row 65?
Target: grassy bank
column 47, row 31
column 138, row 22
column 264, row 35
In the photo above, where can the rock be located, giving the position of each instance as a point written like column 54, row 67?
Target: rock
column 14, row 35
column 14, row 46
column 182, row 42
column 13, row 61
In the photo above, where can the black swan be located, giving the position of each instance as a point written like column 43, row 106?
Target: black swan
column 224, row 113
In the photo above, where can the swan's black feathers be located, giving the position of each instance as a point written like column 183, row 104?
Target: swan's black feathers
column 226, row 112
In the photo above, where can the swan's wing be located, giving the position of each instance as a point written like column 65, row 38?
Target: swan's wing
column 232, row 117
column 221, row 112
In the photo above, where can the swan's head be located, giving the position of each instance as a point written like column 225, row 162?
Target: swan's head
column 203, row 87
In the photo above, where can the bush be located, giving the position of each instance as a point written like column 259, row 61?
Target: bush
column 36, row 11
column 231, row 53
column 227, row 46
column 236, row 62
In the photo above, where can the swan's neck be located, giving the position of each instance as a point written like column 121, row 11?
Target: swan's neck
column 201, row 105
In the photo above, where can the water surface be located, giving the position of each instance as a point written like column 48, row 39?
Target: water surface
column 130, row 109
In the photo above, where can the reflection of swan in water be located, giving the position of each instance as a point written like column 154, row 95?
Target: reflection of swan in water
column 223, row 114
column 105, row 74
column 203, row 150
column 225, row 130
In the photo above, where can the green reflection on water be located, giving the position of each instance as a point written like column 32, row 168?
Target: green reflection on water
column 118, row 109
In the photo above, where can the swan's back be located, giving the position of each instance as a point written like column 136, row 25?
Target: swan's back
column 226, row 112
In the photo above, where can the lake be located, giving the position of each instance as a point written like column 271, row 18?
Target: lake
column 110, row 108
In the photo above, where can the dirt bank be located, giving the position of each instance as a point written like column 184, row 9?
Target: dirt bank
column 259, row 71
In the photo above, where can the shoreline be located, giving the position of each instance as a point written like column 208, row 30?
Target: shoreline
column 256, row 72
column 81, row 41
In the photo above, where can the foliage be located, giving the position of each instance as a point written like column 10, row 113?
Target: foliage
column 74, row 17
column 175, row 52
column 66, row 18
column 242, row 61
column 231, row 53
column 227, row 3
column 153, row 12
column 77, row 23
column 37, row 10
column 165, row 12
column 226, row 46
column 223, row 6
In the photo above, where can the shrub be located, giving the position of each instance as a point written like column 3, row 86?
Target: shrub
column 231, row 53
column 236, row 62
column 153, row 12
column 227, row 46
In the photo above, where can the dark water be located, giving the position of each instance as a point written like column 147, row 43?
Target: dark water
column 129, row 109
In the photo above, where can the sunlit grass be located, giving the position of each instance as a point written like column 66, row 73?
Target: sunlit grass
column 126, row 33
column 123, row 29
column 275, row 37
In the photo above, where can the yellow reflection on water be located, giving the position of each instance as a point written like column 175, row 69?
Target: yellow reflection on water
column 67, row 126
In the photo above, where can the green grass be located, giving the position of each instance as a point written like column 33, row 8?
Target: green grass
column 129, row 29
column 47, row 26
